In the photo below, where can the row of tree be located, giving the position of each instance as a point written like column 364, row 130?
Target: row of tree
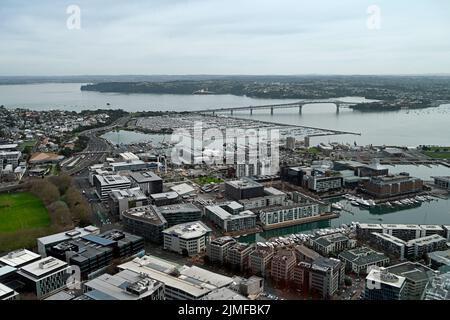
column 65, row 203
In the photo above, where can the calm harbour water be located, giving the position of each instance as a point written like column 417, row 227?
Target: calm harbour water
column 405, row 127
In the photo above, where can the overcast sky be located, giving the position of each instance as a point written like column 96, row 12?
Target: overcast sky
column 224, row 37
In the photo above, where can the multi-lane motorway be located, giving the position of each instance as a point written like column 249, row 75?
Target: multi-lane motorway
column 97, row 148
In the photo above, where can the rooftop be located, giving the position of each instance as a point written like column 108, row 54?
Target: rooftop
column 132, row 193
column 363, row 256
column 67, row 235
column 19, row 258
column 190, row 230
column 112, row 179
column 178, row 208
column 125, row 285
column 169, row 273
column 224, row 294
column 182, row 188
column 143, row 177
column 412, row 271
column 381, row 275
column 244, row 183
column 149, row 214
column 43, row 267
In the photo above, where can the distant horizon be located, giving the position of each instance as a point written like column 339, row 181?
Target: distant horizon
column 228, row 75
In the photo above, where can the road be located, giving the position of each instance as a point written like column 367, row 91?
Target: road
column 97, row 148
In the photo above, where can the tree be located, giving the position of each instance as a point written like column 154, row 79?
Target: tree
column 45, row 190
column 62, row 182
column 348, row 281
column 60, row 214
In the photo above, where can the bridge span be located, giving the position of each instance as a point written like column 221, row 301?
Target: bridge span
column 339, row 104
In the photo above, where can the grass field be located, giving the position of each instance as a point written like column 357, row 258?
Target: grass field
column 20, row 211
column 438, row 152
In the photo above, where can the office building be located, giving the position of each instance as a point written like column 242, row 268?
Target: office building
column 438, row 288
column 217, row 249
column 146, row 222
column 290, row 143
column 19, row 258
column 404, row 232
column 374, row 169
column 180, row 282
column 224, row 294
column 331, row 243
column 249, row 287
column 305, row 254
column 105, row 184
column 323, row 276
column 133, row 165
column 282, row 266
column 230, row 222
column 164, row 198
column 47, row 242
column 121, row 200
column 282, row 215
column 243, row 189
column 271, row 197
column 180, row 213
column 324, row 183
column 260, row 260
column 238, row 255
column 188, row 238
column 359, row 260
column 392, row 186
column 148, row 181
column 89, row 256
column 6, row 293
column 44, row 276
column 416, row 277
column 442, row 182
column 383, row 285
column 10, row 158
column 439, row 260
column 125, row 285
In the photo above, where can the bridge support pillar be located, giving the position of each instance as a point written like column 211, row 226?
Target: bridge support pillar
column 337, row 107
column 300, row 109
column 251, row 111
column 214, row 113
column 271, row 111
column 231, row 111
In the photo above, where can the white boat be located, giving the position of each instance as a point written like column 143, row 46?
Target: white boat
column 354, row 203
column 337, row 206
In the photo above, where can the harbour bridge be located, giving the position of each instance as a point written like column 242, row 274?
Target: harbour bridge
column 338, row 103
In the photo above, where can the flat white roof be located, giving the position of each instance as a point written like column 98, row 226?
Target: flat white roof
column 112, row 179
column 4, row 290
column 43, row 266
column 190, row 230
column 381, row 275
column 19, row 257
column 157, row 268
column 182, row 188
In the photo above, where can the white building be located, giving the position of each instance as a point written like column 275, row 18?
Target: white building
column 45, row 276
column 105, row 184
column 19, row 258
column 181, row 282
column 125, row 285
column 6, row 293
column 188, row 238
